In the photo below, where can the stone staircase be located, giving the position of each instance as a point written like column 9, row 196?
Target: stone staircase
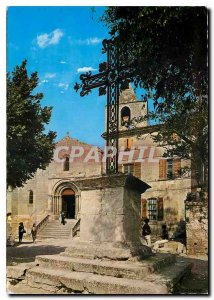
column 76, row 274
column 55, row 230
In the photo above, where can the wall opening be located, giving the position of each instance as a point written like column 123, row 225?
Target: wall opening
column 68, row 203
column 125, row 116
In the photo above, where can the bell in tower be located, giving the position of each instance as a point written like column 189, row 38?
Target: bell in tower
column 125, row 116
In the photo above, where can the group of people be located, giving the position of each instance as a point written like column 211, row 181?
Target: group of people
column 22, row 231
column 146, row 234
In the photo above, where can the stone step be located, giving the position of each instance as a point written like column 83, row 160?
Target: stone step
column 58, row 227
column 55, row 230
column 173, row 274
column 81, row 282
column 117, row 251
column 53, row 237
column 87, row 282
column 67, row 221
column 61, row 236
column 55, row 223
column 124, row 269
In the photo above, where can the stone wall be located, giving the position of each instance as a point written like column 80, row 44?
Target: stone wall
column 197, row 226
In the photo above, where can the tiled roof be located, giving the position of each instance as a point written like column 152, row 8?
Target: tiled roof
column 68, row 141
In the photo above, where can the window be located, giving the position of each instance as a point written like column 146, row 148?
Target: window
column 134, row 169
column 128, row 168
column 66, row 164
column 152, row 209
column 169, row 168
column 128, row 143
column 30, row 197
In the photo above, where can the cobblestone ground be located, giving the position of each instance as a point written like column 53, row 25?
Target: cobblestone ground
column 196, row 283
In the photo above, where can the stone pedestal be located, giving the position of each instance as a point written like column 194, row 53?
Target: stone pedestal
column 110, row 217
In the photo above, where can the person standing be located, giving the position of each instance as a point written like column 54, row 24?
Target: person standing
column 21, row 231
column 146, row 232
column 34, row 232
column 63, row 218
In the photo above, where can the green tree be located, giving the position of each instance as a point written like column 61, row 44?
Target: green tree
column 28, row 147
column 166, row 52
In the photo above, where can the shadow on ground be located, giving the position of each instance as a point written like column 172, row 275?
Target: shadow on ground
column 197, row 282
column 27, row 254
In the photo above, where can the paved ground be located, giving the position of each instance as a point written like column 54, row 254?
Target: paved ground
column 27, row 250
column 197, row 283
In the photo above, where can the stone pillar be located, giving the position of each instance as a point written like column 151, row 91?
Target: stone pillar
column 57, row 206
column 55, row 209
column 60, row 204
column 77, row 206
column 110, row 215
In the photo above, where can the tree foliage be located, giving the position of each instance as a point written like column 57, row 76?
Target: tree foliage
column 166, row 52
column 28, row 147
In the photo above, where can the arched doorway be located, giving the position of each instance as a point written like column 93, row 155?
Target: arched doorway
column 58, row 197
column 68, row 203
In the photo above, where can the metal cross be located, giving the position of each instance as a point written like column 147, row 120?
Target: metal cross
column 111, row 79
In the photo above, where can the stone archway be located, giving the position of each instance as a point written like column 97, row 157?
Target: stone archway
column 59, row 191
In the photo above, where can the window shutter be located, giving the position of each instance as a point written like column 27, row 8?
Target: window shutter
column 120, row 168
column 162, row 169
column 176, row 167
column 160, row 208
column 130, row 143
column 143, row 208
column 137, row 170
column 125, row 144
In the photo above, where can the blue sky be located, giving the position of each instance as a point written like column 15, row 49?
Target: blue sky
column 60, row 43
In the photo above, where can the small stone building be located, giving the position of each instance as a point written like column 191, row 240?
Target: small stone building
column 53, row 190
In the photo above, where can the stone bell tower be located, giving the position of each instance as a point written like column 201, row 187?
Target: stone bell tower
column 130, row 108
